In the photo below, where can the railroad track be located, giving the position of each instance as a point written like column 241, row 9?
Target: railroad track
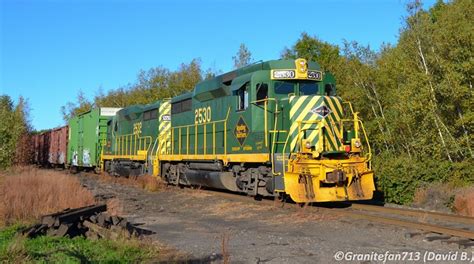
column 430, row 222
column 434, row 225
column 455, row 228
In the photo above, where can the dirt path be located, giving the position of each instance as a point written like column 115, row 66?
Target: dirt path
column 198, row 223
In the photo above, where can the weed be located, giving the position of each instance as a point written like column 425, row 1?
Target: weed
column 146, row 182
column 464, row 202
column 15, row 248
column 28, row 193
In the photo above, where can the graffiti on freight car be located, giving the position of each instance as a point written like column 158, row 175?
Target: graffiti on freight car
column 74, row 158
column 86, row 158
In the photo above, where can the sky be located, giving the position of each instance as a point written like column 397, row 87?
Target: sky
column 50, row 50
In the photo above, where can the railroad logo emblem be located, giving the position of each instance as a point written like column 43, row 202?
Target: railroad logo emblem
column 322, row 111
column 241, row 131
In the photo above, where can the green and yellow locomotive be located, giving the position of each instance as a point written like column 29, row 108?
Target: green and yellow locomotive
column 274, row 128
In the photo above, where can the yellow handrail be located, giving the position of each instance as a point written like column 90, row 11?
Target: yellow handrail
column 130, row 144
column 196, row 140
column 265, row 107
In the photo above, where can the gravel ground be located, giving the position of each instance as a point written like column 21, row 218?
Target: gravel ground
column 199, row 223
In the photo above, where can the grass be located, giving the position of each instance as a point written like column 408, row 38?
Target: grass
column 464, row 202
column 15, row 248
column 146, row 182
column 28, row 193
column 446, row 197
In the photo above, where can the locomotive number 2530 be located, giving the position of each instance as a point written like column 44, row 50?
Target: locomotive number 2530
column 202, row 115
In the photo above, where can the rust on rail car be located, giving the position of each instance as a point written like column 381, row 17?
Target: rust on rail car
column 58, row 146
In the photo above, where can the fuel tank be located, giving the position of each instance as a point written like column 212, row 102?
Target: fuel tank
column 213, row 179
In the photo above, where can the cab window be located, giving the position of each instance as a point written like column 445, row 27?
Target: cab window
column 242, row 98
column 329, row 89
column 262, row 93
column 284, row 87
column 308, row 88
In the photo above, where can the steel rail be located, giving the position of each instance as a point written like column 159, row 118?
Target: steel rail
column 417, row 213
column 415, row 225
column 375, row 218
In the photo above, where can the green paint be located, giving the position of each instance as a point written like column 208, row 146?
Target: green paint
column 86, row 132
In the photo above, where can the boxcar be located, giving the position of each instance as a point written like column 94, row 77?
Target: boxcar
column 41, row 144
column 87, row 133
column 58, row 146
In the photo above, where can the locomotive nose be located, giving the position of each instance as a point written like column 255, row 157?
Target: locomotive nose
column 315, row 124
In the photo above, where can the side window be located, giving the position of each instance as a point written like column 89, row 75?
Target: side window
column 154, row 114
column 181, row 106
column 329, row 89
column 150, row 114
column 243, row 98
column 146, row 115
column 176, row 108
column 262, row 93
column 115, row 127
column 186, row 105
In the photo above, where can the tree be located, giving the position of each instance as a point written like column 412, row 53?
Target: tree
column 151, row 85
column 243, row 57
column 72, row 109
column 14, row 132
column 314, row 49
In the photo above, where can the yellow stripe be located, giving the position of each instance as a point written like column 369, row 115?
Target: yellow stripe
column 333, row 108
column 164, row 105
column 253, row 157
column 303, row 114
column 292, row 98
column 163, row 125
column 313, row 134
column 297, row 105
column 339, row 106
column 304, row 127
column 164, row 128
column 131, row 157
column 165, row 111
column 330, row 137
column 332, row 125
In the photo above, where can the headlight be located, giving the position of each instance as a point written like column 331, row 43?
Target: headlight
column 308, row 145
column 357, row 144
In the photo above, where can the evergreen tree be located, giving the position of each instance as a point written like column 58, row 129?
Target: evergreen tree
column 243, row 57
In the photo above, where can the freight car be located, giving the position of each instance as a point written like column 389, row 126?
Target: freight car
column 274, row 128
column 40, row 144
column 87, row 134
column 58, row 146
